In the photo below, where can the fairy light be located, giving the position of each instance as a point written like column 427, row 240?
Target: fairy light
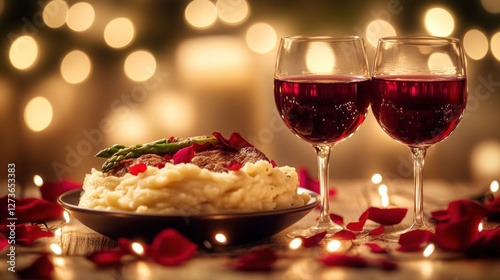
column 439, row 22
column 23, row 52
column 140, row 65
column 333, row 246
column 295, row 243
column 377, row 29
column 200, row 14
column 429, row 250
column 480, row 227
column 320, row 58
column 37, row 180
column 261, row 38
column 376, row 178
column 384, row 197
column 494, row 186
column 66, row 216
column 221, row 238
column 56, row 249
column 137, row 248
column 38, row 113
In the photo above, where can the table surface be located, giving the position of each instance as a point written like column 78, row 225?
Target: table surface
column 352, row 198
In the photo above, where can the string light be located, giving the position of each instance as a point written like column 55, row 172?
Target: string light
column 137, row 248
column 140, row 65
column 429, row 250
column 37, row 180
column 23, row 52
column 376, row 178
column 76, row 67
column 439, row 22
column 119, row 33
column 56, row 248
column 55, row 13
column 261, row 38
column 80, row 16
column 221, row 238
column 295, row 243
column 38, row 114
column 200, row 14
column 494, row 186
column 333, row 246
column 475, row 44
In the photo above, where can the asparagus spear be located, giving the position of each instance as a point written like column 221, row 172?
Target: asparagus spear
column 118, row 152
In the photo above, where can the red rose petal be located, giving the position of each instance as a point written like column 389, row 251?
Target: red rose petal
column 375, row 248
column 4, row 242
column 335, row 259
column 493, row 210
column 31, row 210
column 356, row 226
column 28, row 234
column 184, row 155
column 412, row 241
column 106, row 258
column 339, row 220
column 344, row 235
column 440, row 216
column 235, row 141
column 137, row 168
column 377, row 231
column 234, row 165
column 41, row 268
column 312, row 240
column 486, row 245
column 52, row 190
column 388, row 216
column 170, row 248
column 256, row 259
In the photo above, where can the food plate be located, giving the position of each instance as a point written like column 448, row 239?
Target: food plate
column 238, row 228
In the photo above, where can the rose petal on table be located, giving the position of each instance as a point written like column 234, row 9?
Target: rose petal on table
column 336, row 259
column 493, row 210
column 339, row 220
column 375, row 248
column 52, row 190
column 440, row 216
column 356, row 226
column 170, row 248
column 41, row 268
column 486, row 245
column 30, row 210
column 344, row 235
column 137, row 168
column 412, row 241
column 184, row 155
column 260, row 258
column 386, row 216
column 466, row 208
column 312, row 240
column 234, row 165
column 106, row 258
column 28, row 234
column 377, row 231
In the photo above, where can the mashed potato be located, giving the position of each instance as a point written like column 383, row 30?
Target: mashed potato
column 188, row 189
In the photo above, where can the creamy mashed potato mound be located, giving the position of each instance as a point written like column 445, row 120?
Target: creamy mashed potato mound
column 189, row 189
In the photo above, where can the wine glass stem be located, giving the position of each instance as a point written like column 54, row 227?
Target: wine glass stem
column 323, row 154
column 418, row 155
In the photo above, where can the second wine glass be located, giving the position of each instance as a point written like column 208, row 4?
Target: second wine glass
column 321, row 90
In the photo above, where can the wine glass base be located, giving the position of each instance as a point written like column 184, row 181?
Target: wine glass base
column 330, row 228
column 393, row 237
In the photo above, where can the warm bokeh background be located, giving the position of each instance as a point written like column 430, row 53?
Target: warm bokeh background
column 79, row 76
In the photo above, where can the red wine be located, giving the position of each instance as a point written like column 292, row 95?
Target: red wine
column 322, row 108
column 418, row 110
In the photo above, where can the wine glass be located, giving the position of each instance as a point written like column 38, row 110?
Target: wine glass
column 321, row 90
column 418, row 98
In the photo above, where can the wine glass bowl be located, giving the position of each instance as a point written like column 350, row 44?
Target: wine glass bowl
column 419, row 94
column 321, row 91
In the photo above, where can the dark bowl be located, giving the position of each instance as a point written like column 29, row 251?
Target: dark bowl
column 239, row 228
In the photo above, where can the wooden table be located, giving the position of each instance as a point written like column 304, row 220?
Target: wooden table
column 353, row 197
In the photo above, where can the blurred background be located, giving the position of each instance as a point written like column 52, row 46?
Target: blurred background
column 76, row 77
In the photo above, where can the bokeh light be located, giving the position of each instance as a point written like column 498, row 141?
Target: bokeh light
column 319, row 58
column 440, row 63
column 439, row 22
column 377, row 29
column 475, row 44
column 140, row 66
column 200, row 14
column 232, row 12
column 119, row 32
column 261, row 38
column 55, row 13
column 75, row 67
column 164, row 109
column 485, row 160
column 492, row 6
column 37, row 180
column 23, row 52
column 38, row 114
column 495, row 45
column 80, row 16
